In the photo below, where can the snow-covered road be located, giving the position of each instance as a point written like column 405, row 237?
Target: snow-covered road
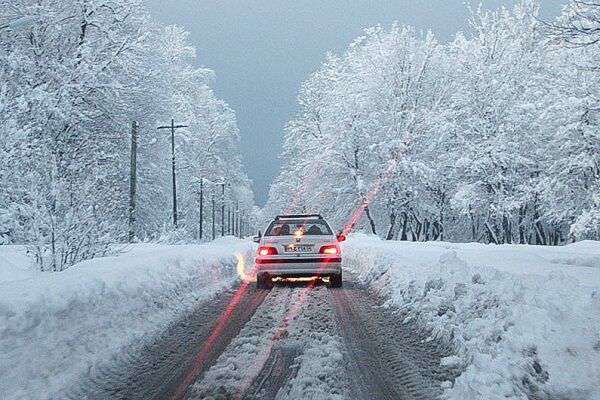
column 413, row 321
column 297, row 341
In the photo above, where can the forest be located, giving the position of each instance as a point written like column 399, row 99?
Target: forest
column 80, row 80
column 492, row 137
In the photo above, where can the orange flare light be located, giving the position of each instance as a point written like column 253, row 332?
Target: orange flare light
column 241, row 268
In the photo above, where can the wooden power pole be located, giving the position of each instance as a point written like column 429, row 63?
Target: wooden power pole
column 172, row 127
column 223, row 209
column 133, row 180
column 213, row 217
column 201, row 227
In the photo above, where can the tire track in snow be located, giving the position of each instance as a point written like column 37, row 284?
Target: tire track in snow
column 389, row 359
column 294, row 342
column 245, row 357
column 288, row 350
column 157, row 369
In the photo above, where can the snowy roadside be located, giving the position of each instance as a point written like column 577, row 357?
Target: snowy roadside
column 525, row 320
column 55, row 326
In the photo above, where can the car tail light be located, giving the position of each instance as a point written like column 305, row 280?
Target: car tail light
column 267, row 251
column 330, row 249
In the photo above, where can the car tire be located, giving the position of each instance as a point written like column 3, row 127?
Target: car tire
column 264, row 281
column 335, row 281
column 260, row 281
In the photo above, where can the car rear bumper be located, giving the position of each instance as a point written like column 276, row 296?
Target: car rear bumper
column 299, row 267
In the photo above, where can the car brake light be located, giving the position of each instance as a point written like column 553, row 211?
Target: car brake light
column 267, row 251
column 329, row 249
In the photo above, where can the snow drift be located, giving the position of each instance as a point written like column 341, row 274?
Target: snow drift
column 524, row 320
column 55, row 326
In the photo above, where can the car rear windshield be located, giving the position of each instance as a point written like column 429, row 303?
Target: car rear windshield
column 290, row 227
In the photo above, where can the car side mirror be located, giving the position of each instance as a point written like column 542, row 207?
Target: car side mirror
column 257, row 238
column 341, row 237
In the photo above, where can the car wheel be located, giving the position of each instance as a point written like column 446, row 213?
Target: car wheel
column 264, row 281
column 260, row 281
column 335, row 281
column 268, row 282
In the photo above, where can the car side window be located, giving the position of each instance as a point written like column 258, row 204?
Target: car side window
column 314, row 230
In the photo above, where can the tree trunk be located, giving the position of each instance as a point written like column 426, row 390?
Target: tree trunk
column 132, row 181
column 506, row 226
column 390, row 234
column 403, row 236
column 492, row 238
column 201, row 211
column 371, row 222
column 435, row 230
column 213, row 217
column 522, row 214
column 417, row 232
column 540, row 233
column 474, row 227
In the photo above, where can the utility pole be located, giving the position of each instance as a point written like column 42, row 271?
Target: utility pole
column 232, row 221
column 213, row 217
column 236, row 216
column 132, row 180
column 228, row 220
column 200, row 233
column 223, row 209
column 172, row 127
column 242, row 227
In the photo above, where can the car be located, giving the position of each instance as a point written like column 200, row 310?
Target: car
column 298, row 246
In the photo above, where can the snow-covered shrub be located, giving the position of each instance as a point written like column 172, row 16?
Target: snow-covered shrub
column 587, row 226
column 175, row 236
column 5, row 227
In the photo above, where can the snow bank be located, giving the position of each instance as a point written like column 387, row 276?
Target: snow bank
column 15, row 264
column 525, row 320
column 55, row 326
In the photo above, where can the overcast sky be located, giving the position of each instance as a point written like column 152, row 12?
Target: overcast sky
column 262, row 50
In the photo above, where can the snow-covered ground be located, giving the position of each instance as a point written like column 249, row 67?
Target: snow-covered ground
column 54, row 326
column 15, row 264
column 523, row 319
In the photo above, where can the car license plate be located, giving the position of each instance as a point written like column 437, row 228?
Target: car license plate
column 298, row 248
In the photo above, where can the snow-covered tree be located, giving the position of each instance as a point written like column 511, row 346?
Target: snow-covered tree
column 72, row 82
column 492, row 137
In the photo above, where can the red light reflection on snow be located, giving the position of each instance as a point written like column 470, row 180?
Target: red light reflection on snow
column 201, row 357
column 368, row 198
column 280, row 331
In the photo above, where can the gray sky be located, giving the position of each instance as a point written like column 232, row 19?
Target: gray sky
column 262, row 50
